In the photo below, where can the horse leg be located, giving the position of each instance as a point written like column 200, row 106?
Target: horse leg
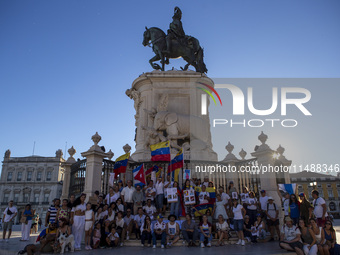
column 154, row 65
column 185, row 67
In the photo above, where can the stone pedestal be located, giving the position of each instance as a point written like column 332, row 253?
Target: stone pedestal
column 67, row 173
column 168, row 107
column 94, row 167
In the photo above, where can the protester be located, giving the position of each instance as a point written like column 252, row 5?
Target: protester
column 110, row 215
column 26, row 222
column 126, row 196
column 225, row 197
column 306, row 208
column 145, row 230
column 239, row 213
column 78, row 220
column 205, row 235
column 247, row 229
column 222, row 228
column 105, row 231
column 64, row 212
column 188, row 186
column 150, row 209
column 231, row 189
column 35, row 221
column 328, row 240
column 112, row 239
column 251, row 207
column 159, row 186
column 294, row 209
column 174, row 207
column 120, row 227
column 272, row 213
column 172, row 230
column 120, row 206
column 259, row 228
column 96, row 235
column 112, row 196
column 49, row 237
column 64, row 229
column 220, row 208
column 189, row 230
column 139, row 219
column 8, row 217
column 89, row 221
column 290, row 237
column 203, row 196
column 320, row 208
column 263, row 202
column 137, row 198
column 244, row 196
column 167, row 184
column 52, row 212
column 159, row 232
column 71, row 201
column 129, row 224
column 308, row 237
column 150, row 191
column 285, row 201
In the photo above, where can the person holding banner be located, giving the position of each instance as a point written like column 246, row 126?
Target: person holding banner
column 204, row 195
column 174, row 205
column 189, row 188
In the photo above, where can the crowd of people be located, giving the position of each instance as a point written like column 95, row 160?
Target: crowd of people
column 128, row 212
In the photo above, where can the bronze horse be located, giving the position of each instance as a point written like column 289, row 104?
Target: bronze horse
column 189, row 49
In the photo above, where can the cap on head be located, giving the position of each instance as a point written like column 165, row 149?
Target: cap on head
column 270, row 198
column 301, row 194
column 160, row 216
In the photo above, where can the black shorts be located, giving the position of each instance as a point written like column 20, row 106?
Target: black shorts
column 165, row 201
column 273, row 223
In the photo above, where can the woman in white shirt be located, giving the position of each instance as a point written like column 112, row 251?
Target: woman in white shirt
column 78, row 226
column 239, row 213
column 222, row 229
column 113, row 195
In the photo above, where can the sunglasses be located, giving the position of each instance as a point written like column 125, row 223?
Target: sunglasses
column 328, row 223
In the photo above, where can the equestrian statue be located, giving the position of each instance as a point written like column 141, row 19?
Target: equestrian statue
column 174, row 45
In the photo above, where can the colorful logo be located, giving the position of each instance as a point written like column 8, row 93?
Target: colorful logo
column 204, row 97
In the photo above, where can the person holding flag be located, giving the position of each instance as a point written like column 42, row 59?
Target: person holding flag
column 176, row 164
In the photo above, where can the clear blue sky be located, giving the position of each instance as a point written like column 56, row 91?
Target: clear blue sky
column 65, row 65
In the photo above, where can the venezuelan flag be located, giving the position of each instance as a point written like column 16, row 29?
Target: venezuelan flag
column 160, row 151
column 212, row 194
column 200, row 209
column 121, row 164
column 157, row 169
column 176, row 162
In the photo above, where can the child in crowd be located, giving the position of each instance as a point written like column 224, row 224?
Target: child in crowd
column 112, row 239
column 89, row 221
column 96, row 235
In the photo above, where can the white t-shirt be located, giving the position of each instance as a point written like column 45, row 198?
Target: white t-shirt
column 127, row 193
column 318, row 209
column 149, row 190
column 158, row 225
column 13, row 209
column 271, row 210
column 81, row 207
column 224, row 226
column 252, row 203
column 113, row 198
column 285, row 202
column 225, row 197
column 169, row 186
column 290, row 233
column 113, row 237
column 159, row 188
column 150, row 210
column 110, row 217
column 238, row 212
column 263, row 202
column 201, row 197
column 139, row 219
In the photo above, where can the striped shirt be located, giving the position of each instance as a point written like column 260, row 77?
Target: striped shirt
column 53, row 213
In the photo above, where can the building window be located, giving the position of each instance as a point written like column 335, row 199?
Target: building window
column 9, row 176
column 329, row 185
column 320, row 193
column 26, row 197
column 46, row 197
column 330, row 193
column 29, row 175
column 16, row 198
column 48, row 177
column 39, row 176
column 36, row 197
column 19, row 176
column 6, row 197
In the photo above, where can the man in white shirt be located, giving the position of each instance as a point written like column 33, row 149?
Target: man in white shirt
column 159, row 232
column 320, row 209
column 138, row 220
column 150, row 191
column 263, row 202
column 167, row 185
column 126, row 195
column 272, row 213
column 159, row 194
column 285, row 201
column 149, row 209
column 290, row 237
column 204, row 196
column 206, row 181
column 225, row 197
column 9, row 214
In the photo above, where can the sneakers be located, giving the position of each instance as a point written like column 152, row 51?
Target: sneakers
column 142, row 245
column 86, row 248
column 248, row 238
column 243, row 242
column 154, row 246
column 127, row 238
column 121, row 244
column 209, row 244
column 7, row 240
column 169, row 244
column 162, row 246
column 239, row 242
column 202, row 245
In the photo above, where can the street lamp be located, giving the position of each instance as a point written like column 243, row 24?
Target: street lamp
column 313, row 184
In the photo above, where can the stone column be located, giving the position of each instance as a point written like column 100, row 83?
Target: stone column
column 285, row 162
column 264, row 155
column 231, row 160
column 67, row 173
column 94, row 165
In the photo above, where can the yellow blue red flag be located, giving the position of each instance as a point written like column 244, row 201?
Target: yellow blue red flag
column 160, row 151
